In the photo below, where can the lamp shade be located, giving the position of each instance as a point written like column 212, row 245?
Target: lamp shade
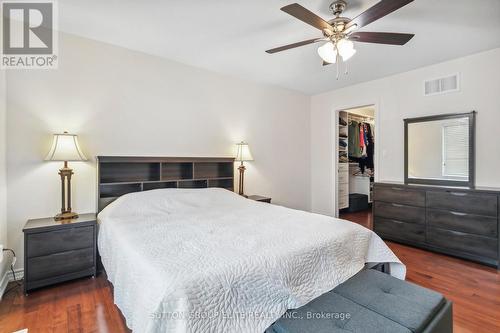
column 328, row 53
column 65, row 148
column 243, row 152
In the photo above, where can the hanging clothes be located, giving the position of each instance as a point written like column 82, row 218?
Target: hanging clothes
column 370, row 150
column 361, row 146
column 354, row 142
column 361, row 135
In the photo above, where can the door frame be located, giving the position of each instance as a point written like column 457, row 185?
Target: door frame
column 335, row 125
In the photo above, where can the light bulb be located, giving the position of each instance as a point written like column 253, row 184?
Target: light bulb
column 346, row 49
column 348, row 54
column 327, row 53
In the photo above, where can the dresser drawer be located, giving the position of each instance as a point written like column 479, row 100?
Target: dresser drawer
column 473, row 203
column 57, row 264
column 399, row 195
column 399, row 230
column 44, row 243
column 465, row 222
column 399, row 212
column 463, row 242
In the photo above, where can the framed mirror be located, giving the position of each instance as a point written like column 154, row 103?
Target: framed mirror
column 440, row 150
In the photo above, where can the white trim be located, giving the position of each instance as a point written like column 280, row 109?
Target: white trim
column 3, row 284
column 334, row 133
column 19, row 274
column 8, row 277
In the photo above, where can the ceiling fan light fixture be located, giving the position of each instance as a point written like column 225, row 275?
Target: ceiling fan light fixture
column 346, row 49
column 328, row 53
column 351, row 29
column 348, row 54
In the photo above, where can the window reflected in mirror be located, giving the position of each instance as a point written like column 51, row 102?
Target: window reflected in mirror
column 438, row 149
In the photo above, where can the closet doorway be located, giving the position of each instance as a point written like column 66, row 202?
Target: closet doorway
column 355, row 153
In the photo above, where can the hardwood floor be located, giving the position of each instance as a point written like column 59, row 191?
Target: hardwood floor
column 473, row 288
column 86, row 305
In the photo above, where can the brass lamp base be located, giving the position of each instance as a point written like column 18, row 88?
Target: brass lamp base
column 66, row 216
column 66, row 213
column 242, row 169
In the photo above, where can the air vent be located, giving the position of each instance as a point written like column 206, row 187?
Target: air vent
column 442, row 85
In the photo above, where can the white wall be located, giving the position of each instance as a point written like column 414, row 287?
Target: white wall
column 3, row 183
column 401, row 96
column 122, row 102
column 425, row 150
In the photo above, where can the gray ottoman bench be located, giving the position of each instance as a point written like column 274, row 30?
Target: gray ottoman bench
column 371, row 301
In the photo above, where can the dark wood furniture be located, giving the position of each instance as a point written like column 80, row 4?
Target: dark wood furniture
column 455, row 221
column 119, row 175
column 259, row 198
column 57, row 251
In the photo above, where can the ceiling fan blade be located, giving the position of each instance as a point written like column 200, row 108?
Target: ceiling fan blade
column 376, row 12
column 381, row 37
column 326, row 63
column 291, row 46
column 307, row 16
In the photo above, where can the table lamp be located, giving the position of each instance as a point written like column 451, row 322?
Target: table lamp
column 65, row 148
column 242, row 154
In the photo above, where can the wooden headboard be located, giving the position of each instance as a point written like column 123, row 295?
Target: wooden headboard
column 119, row 175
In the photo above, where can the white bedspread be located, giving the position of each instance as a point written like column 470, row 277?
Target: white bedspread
column 208, row 260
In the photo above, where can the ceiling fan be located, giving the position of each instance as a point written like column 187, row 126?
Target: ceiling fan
column 339, row 32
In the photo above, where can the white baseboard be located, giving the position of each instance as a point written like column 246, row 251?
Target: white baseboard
column 8, row 277
column 3, row 284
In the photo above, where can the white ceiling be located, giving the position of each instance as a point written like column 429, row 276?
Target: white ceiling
column 230, row 36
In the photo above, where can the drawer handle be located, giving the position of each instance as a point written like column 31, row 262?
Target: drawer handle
column 457, row 233
column 397, row 188
column 397, row 205
column 458, row 194
column 458, row 213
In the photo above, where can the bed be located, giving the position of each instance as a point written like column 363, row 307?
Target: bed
column 208, row 260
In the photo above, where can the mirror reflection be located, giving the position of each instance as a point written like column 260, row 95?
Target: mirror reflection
column 439, row 149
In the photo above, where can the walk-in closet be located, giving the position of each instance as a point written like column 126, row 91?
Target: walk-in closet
column 356, row 159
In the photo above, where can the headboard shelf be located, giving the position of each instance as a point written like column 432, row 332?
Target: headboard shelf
column 158, row 185
column 119, row 175
column 176, row 170
column 192, row 183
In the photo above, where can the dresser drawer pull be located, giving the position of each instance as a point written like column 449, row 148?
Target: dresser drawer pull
column 458, row 194
column 397, row 188
column 458, row 233
column 396, row 205
column 458, row 213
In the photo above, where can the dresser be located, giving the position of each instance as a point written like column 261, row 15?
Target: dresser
column 455, row 221
column 57, row 251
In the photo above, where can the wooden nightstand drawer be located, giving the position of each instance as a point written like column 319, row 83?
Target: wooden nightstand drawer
column 259, row 198
column 57, row 251
column 45, row 243
column 58, row 264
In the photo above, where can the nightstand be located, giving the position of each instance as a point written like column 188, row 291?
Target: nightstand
column 57, row 251
column 259, row 198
